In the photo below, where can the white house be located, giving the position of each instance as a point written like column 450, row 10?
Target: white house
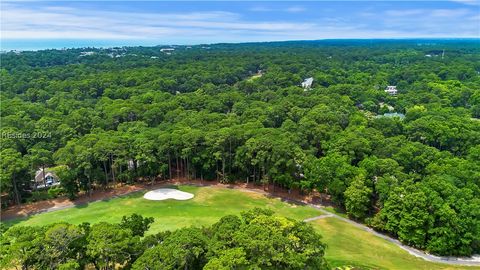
column 391, row 90
column 86, row 53
column 167, row 50
column 307, row 83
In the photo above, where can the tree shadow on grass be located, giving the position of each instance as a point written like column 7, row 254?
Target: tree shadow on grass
column 171, row 186
column 230, row 186
column 131, row 195
column 13, row 221
column 285, row 200
column 81, row 205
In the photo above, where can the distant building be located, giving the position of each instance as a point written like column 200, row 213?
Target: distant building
column 87, row 53
column 167, row 50
column 51, row 179
column 392, row 115
column 391, row 90
column 154, row 57
column 307, row 83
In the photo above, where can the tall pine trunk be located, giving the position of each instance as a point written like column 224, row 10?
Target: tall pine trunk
column 89, row 183
column 106, row 173
column 15, row 190
column 169, row 166
column 223, row 169
column 113, row 170
column 43, row 174
column 178, row 168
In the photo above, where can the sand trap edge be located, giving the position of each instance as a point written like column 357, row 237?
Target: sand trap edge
column 167, row 193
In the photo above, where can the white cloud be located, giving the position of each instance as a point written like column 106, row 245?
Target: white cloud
column 444, row 13
column 403, row 12
column 59, row 22
column 295, row 9
column 475, row 18
column 292, row 9
column 448, row 13
column 20, row 21
column 260, row 9
column 434, row 22
column 468, row 2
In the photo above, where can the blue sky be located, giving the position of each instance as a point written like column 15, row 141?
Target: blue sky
column 156, row 22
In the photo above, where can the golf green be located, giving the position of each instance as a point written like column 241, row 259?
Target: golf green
column 347, row 245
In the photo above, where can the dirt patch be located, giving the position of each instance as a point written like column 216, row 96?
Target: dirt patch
column 25, row 210
column 121, row 190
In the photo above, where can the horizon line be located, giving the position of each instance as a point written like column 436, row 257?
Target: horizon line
column 474, row 38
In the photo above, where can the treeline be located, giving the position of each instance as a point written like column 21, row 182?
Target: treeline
column 256, row 239
column 201, row 114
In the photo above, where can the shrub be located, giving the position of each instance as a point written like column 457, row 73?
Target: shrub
column 39, row 196
column 54, row 192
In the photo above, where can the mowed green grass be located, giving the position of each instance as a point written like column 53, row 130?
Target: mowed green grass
column 350, row 245
column 347, row 244
column 207, row 207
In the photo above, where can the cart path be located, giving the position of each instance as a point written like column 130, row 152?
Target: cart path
column 474, row 261
column 462, row 261
column 317, row 217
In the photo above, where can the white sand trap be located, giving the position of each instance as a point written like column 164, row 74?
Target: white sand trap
column 167, row 193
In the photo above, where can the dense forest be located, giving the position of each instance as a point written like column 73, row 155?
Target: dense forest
column 406, row 164
column 255, row 240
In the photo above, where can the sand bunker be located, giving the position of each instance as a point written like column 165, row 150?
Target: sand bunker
column 167, row 193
